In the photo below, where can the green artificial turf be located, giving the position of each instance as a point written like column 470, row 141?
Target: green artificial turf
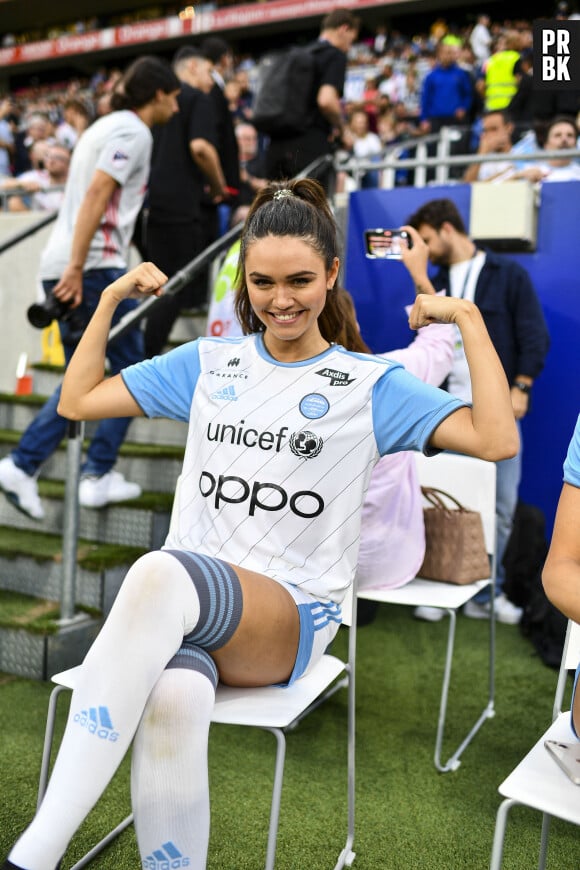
column 408, row 817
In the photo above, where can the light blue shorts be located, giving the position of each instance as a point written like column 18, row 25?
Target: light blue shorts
column 319, row 623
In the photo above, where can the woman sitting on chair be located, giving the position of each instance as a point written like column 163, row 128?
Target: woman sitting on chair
column 284, row 429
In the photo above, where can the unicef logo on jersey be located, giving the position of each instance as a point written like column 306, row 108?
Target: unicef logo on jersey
column 305, row 444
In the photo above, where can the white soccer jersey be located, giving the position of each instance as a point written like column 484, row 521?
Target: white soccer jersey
column 279, row 455
column 120, row 145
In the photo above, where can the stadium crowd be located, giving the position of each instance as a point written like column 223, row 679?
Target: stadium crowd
column 398, row 87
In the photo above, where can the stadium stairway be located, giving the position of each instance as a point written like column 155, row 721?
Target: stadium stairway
column 33, row 641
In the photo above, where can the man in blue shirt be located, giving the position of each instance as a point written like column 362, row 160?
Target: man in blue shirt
column 447, row 92
column 446, row 99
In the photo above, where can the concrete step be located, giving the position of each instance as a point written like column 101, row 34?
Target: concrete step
column 154, row 468
column 35, row 643
column 17, row 412
column 31, row 563
column 141, row 522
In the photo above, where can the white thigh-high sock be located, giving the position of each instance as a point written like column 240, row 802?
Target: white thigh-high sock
column 169, row 776
column 155, row 607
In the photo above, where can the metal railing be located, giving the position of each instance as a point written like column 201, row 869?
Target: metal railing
column 441, row 162
column 25, row 192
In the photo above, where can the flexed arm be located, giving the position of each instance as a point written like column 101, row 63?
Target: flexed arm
column 86, row 393
column 487, row 429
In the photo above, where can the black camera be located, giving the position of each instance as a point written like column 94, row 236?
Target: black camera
column 41, row 314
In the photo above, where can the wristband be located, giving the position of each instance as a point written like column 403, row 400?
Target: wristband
column 521, row 385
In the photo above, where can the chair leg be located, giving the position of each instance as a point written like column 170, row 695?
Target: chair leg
column 347, row 856
column 276, row 796
column 499, row 834
column 453, row 761
column 92, row 853
column 48, row 738
column 546, row 819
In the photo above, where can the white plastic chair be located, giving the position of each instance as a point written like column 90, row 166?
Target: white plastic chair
column 537, row 781
column 472, row 482
column 270, row 708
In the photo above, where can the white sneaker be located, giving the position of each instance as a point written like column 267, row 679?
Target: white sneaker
column 505, row 611
column 96, row 492
column 429, row 614
column 21, row 489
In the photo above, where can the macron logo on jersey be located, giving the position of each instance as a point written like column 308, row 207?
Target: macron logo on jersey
column 168, row 857
column 119, row 157
column 97, row 720
column 227, row 394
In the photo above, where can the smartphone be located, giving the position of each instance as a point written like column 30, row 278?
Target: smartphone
column 382, row 244
column 567, row 755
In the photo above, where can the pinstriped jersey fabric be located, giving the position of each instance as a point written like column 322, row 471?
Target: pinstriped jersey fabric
column 278, row 456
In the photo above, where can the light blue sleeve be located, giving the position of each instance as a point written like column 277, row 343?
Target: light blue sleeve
column 164, row 386
column 406, row 412
column 572, row 462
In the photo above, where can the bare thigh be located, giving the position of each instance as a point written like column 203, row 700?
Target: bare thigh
column 263, row 649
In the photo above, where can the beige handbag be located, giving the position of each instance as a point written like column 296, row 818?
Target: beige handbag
column 455, row 549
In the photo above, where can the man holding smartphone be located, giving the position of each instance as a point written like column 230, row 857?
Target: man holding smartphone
column 505, row 295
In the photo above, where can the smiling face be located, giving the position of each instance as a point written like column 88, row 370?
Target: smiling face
column 287, row 282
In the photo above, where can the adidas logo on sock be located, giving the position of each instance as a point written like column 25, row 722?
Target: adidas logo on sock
column 167, row 857
column 227, row 394
column 97, row 721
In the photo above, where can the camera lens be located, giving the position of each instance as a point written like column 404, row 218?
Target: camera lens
column 40, row 315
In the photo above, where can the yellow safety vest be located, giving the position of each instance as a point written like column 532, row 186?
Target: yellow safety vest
column 500, row 81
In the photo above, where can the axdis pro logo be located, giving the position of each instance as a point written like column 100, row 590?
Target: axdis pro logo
column 230, row 489
column 556, row 55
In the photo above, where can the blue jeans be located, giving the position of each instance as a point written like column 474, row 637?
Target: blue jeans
column 509, row 472
column 48, row 428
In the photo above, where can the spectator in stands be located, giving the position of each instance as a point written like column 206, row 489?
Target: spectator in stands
column 35, row 185
column 221, row 57
column 232, row 93
column 522, row 105
column 496, row 138
column 561, row 133
column 499, row 71
column 505, row 295
column 76, row 119
column 286, row 156
column 246, row 100
column 370, row 101
column 88, row 249
column 6, row 139
column 185, row 162
column 392, row 83
column 447, row 93
column 446, row 100
column 252, row 170
column 480, row 39
column 363, row 144
column 37, row 127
